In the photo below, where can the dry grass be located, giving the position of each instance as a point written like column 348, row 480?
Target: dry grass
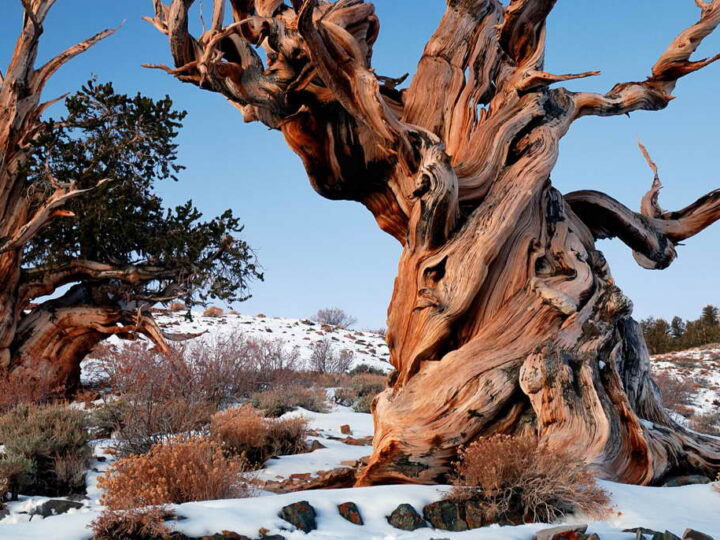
column 244, row 432
column 137, row 524
column 182, row 470
column 516, row 479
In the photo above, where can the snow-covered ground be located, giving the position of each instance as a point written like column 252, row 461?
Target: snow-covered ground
column 673, row 509
column 701, row 364
column 368, row 347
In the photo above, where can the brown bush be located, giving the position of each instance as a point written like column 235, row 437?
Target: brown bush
column 138, row 524
column 708, row 423
column 177, row 306
column 275, row 403
column 325, row 359
column 516, row 479
column 24, row 390
column 334, row 316
column 137, row 425
column 677, row 392
column 360, row 392
column 46, row 450
column 182, row 470
column 213, row 311
column 244, row 432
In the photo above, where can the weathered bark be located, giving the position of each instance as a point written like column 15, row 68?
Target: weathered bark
column 49, row 340
column 504, row 317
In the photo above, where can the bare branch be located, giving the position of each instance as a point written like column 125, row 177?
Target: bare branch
column 649, row 206
column 539, row 79
column 46, row 71
column 656, row 91
column 46, row 213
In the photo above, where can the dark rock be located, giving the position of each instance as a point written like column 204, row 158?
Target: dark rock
column 691, row 534
column 350, row 511
column 474, row 516
column 54, row 507
column 316, row 445
column 300, row 514
column 640, row 531
column 445, row 515
column 405, row 517
column 687, row 480
column 667, row 535
column 564, row 532
column 272, row 537
column 345, row 429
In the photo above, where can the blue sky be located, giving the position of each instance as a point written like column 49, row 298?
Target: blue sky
column 318, row 253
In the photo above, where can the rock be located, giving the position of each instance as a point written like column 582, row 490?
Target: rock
column 667, row 535
column 405, row 517
column 345, row 430
column 300, row 514
column 316, row 445
column 691, row 534
column 352, row 441
column 474, row 516
column 640, row 531
column 564, row 532
column 687, row 480
column 350, row 511
column 55, row 507
column 445, row 515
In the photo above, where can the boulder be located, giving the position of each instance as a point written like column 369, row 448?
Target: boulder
column 405, row 517
column 564, row 532
column 301, row 515
column 446, row 515
column 687, row 480
column 316, row 445
column 345, row 430
column 350, row 511
column 55, row 507
column 691, row 534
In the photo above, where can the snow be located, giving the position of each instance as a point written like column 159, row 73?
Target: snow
column 673, row 509
column 369, row 348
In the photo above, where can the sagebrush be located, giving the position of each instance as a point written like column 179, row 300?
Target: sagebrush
column 517, row 479
column 46, row 450
column 185, row 469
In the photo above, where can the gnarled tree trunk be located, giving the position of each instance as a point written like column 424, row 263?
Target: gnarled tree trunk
column 48, row 341
column 504, row 317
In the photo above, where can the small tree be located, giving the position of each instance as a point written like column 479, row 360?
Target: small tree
column 677, row 327
column 334, row 316
column 709, row 316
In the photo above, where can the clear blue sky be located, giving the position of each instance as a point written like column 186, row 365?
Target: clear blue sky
column 318, row 253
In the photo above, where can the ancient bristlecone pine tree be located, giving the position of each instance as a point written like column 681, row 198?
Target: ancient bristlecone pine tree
column 107, row 261
column 504, row 318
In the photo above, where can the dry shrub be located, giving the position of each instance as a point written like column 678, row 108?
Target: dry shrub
column 708, row 423
column 244, row 432
column 325, row 359
column 138, row 524
column 213, row 311
column 182, row 470
column 46, row 450
column 138, row 425
column 516, row 479
column 334, row 316
column 23, row 390
column 176, row 307
column 677, row 392
column 275, row 403
column 360, row 392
